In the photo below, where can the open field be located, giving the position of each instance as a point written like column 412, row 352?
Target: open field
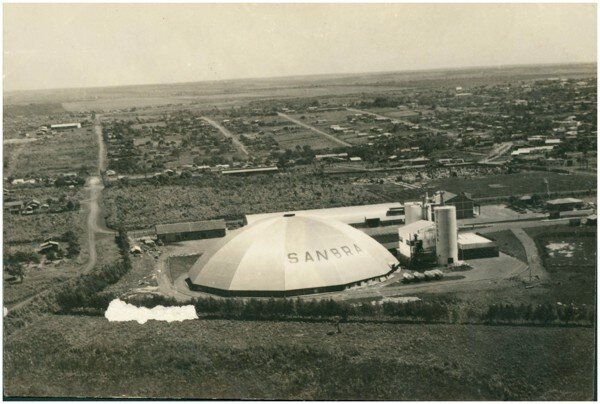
column 529, row 182
column 88, row 356
column 72, row 151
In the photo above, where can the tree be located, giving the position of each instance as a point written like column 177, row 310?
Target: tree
column 17, row 271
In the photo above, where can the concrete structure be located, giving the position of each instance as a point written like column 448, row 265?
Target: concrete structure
column 413, row 212
column 472, row 246
column 290, row 255
column 362, row 216
column 446, row 235
column 169, row 233
column 416, row 240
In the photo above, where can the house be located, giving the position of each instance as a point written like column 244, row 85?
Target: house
column 48, row 246
column 13, row 207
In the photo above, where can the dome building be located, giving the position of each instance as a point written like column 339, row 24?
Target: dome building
column 290, row 255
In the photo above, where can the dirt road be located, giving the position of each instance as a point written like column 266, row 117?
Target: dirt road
column 94, row 186
column 497, row 152
column 227, row 134
column 533, row 257
column 318, row 131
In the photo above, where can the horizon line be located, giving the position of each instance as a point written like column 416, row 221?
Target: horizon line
column 8, row 92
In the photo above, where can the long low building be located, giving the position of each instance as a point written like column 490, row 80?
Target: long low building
column 169, row 233
column 382, row 214
column 65, row 126
column 473, row 246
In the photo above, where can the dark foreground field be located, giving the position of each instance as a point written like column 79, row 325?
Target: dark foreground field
column 72, row 356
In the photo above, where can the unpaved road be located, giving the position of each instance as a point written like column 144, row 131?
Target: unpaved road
column 318, row 131
column 94, row 187
column 533, row 257
column 497, row 152
column 227, row 134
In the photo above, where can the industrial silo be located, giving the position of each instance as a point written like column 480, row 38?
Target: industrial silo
column 412, row 212
column 446, row 235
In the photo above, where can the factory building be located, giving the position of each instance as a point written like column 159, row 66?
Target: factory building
column 463, row 203
column 416, row 243
column 170, row 233
column 289, row 255
column 473, row 246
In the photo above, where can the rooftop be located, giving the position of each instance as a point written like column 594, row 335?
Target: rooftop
column 472, row 238
column 416, row 227
column 561, row 201
column 187, row 227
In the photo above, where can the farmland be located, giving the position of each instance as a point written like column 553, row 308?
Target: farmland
column 87, row 356
column 72, row 151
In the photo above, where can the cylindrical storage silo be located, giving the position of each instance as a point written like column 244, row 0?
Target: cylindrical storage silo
column 446, row 236
column 412, row 212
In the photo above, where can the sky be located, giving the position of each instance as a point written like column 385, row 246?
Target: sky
column 95, row 45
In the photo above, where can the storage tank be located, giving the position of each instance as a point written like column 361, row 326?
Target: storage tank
column 412, row 212
column 446, row 235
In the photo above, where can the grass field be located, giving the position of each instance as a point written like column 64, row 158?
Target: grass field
column 72, row 356
column 515, row 184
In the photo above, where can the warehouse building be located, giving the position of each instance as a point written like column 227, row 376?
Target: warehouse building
column 289, row 255
column 170, row 233
column 462, row 202
column 564, row 204
column 473, row 246
column 382, row 214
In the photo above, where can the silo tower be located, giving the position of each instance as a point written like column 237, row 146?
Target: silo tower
column 446, row 236
column 412, row 212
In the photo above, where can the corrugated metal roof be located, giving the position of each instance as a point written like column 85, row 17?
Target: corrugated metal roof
column 564, row 200
column 346, row 214
column 188, row 227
